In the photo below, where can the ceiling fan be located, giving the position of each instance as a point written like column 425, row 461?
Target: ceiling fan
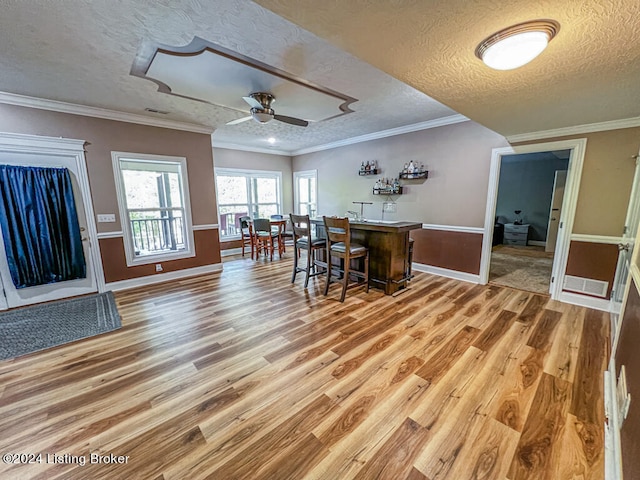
column 262, row 112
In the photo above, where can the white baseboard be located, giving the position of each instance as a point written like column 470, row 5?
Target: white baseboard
column 585, row 301
column 232, row 251
column 444, row 272
column 537, row 243
column 163, row 277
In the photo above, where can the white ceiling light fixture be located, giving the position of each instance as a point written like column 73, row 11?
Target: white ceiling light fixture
column 516, row 46
column 271, row 140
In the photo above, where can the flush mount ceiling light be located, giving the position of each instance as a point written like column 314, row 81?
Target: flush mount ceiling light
column 517, row 45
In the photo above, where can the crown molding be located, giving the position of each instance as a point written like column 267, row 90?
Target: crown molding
column 576, row 130
column 438, row 122
column 75, row 109
column 247, row 148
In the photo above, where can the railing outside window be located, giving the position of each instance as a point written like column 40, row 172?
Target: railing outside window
column 157, row 230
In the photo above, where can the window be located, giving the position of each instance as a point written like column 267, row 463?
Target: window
column 306, row 193
column 254, row 193
column 153, row 197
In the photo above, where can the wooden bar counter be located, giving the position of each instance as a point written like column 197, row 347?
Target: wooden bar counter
column 388, row 244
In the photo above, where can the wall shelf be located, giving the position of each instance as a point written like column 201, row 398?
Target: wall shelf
column 414, row 175
column 388, row 191
column 373, row 171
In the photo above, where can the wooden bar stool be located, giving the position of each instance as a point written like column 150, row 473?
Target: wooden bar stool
column 339, row 245
column 302, row 240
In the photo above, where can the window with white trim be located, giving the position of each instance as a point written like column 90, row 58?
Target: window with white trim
column 306, row 192
column 153, row 199
column 253, row 193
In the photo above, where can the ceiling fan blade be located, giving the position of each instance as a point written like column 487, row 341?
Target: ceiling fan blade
column 253, row 102
column 293, row 121
column 239, row 120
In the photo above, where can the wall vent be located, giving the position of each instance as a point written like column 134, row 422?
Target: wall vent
column 597, row 288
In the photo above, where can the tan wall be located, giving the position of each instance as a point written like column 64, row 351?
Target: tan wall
column 103, row 137
column 607, row 175
column 457, row 156
column 226, row 158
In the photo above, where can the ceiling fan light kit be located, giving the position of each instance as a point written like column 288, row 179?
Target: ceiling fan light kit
column 261, row 111
column 261, row 115
column 517, row 45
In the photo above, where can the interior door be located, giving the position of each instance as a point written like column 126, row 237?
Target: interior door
column 26, row 296
column 626, row 246
column 555, row 210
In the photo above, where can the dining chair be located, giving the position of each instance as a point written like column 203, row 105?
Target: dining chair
column 265, row 238
column 302, row 240
column 279, row 224
column 246, row 229
column 339, row 245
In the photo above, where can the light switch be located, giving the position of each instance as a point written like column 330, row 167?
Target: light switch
column 107, row 218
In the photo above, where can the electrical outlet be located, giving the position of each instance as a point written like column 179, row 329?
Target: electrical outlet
column 158, row 267
column 107, row 218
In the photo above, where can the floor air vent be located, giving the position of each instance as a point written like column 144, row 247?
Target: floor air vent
column 588, row 286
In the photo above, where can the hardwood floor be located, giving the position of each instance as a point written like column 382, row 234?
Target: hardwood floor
column 244, row 375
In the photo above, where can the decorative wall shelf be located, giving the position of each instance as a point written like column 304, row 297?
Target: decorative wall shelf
column 414, row 175
column 388, row 190
column 373, row 171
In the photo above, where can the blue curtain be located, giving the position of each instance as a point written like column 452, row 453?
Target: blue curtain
column 40, row 225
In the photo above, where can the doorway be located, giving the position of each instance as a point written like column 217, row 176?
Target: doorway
column 528, row 210
column 576, row 149
column 34, row 151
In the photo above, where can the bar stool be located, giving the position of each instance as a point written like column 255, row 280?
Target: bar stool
column 302, row 240
column 339, row 245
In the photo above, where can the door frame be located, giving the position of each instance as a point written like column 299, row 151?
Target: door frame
column 72, row 148
column 577, row 149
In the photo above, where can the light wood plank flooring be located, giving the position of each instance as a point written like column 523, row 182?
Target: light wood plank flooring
column 244, row 375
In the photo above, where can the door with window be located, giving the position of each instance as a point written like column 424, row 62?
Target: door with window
column 253, row 193
column 60, row 267
column 306, row 192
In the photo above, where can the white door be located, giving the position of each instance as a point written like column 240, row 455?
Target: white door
column 555, row 210
column 626, row 247
column 305, row 192
column 29, row 295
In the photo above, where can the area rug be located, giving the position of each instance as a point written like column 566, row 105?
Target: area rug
column 522, row 272
column 43, row 326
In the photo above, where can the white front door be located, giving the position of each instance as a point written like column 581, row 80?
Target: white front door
column 626, row 247
column 14, row 297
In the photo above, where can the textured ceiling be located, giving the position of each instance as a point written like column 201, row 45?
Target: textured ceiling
column 82, row 52
column 389, row 54
column 589, row 73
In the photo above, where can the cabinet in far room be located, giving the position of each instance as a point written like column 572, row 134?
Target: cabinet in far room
column 516, row 234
